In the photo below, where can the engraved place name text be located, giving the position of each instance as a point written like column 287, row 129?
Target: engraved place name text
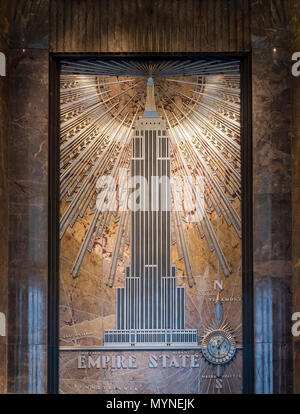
column 86, row 361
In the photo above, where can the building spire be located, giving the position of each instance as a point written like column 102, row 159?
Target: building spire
column 150, row 107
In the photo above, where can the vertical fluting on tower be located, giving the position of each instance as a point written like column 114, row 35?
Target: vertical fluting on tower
column 150, row 300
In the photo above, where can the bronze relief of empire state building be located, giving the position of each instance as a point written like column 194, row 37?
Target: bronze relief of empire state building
column 150, row 308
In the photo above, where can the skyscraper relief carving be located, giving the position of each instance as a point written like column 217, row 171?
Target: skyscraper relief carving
column 200, row 102
column 151, row 307
column 147, row 264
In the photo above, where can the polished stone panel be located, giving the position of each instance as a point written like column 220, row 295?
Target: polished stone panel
column 149, row 26
column 28, row 229
column 31, row 24
column 28, row 303
column 29, row 116
column 4, row 48
column 269, row 229
column 26, row 369
column 269, row 23
column 295, row 43
column 272, row 195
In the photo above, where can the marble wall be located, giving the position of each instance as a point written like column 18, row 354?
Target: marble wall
column 271, row 83
column 4, row 35
column 28, row 198
column 150, row 26
column 27, row 149
column 295, row 43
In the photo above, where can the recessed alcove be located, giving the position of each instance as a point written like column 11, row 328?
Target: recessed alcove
column 37, row 34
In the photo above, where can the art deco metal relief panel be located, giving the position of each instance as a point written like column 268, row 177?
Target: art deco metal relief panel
column 150, row 226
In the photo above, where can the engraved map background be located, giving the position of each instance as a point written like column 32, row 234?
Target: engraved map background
column 185, row 94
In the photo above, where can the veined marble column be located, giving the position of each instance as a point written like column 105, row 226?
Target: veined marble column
column 271, row 82
column 4, row 45
column 295, row 43
column 28, row 197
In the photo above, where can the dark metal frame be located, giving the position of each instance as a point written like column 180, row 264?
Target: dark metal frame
column 247, row 213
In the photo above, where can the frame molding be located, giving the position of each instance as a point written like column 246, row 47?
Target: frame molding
column 247, row 205
column 53, row 226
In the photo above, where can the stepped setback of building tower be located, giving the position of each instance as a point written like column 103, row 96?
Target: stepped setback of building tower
column 150, row 308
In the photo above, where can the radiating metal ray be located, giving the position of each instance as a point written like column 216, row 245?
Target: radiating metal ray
column 204, row 131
